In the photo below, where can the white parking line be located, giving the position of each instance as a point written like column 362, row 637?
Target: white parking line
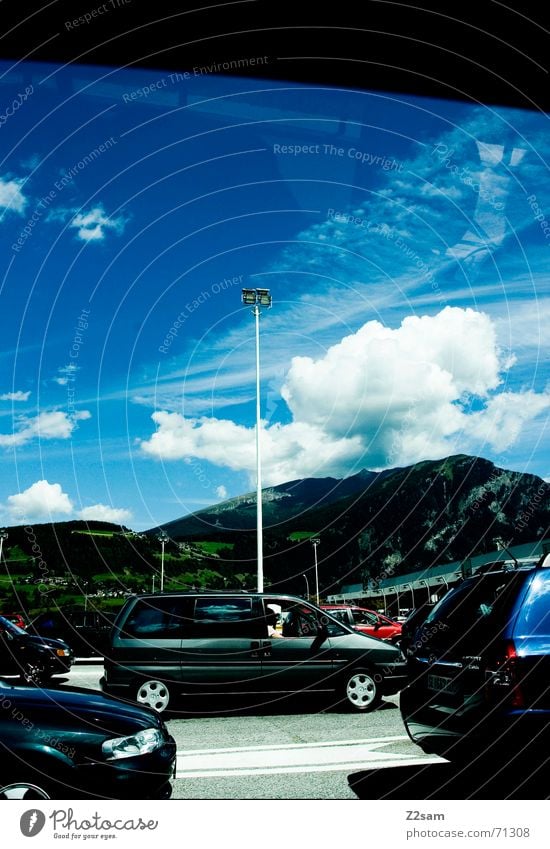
column 295, row 758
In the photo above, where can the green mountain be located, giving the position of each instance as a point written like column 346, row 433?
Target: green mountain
column 371, row 524
column 377, row 523
column 281, row 504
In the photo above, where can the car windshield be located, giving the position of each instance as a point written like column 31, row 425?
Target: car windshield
column 10, row 627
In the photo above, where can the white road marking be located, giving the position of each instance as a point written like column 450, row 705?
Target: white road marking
column 295, row 758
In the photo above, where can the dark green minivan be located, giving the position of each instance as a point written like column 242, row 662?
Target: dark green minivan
column 172, row 645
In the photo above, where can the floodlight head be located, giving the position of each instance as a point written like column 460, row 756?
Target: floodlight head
column 263, row 297
column 249, row 297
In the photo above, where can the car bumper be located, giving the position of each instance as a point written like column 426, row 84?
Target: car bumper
column 145, row 777
column 56, row 665
column 466, row 733
column 394, row 678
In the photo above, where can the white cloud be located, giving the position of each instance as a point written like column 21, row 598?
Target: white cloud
column 380, row 396
column 66, row 373
column 92, row 226
column 288, row 451
column 44, row 500
column 221, row 492
column 104, row 513
column 47, row 425
column 40, row 501
column 11, row 195
column 505, row 416
column 15, row 396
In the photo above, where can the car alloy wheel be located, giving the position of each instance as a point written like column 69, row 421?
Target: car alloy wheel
column 153, row 694
column 361, row 690
column 33, row 674
column 22, row 790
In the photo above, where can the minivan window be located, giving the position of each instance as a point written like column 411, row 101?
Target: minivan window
column 224, row 617
column 158, row 618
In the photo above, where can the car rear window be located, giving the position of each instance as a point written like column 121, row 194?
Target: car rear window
column 534, row 619
column 470, row 618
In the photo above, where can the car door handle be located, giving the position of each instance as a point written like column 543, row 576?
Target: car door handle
column 262, row 648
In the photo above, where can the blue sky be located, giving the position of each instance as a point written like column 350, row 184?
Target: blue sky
column 404, row 240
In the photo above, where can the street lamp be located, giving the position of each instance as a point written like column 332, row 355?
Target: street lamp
column 412, row 592
column 257, row 298
column 307, row 586
column 3, row 536
column 315, row 542
column 163, row 539
column 426, row 584
column 388, row 609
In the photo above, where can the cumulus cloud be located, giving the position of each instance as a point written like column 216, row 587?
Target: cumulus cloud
column 47, row 425
column 44, row 500
column 93, row 225
column 104, row 513
column 380, row 397
column 15, row 396
column 288, row 451
column 11, row 195
column 41, row 500
column 221, row 492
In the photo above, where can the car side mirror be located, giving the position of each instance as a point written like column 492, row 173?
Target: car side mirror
column 322, row 630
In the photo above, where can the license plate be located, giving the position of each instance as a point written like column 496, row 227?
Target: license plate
column 440, row 684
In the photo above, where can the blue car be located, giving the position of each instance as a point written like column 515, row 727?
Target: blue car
column 479, row 669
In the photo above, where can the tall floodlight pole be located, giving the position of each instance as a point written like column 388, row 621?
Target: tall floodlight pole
column 163, row 539
column 3, row 536
column 315, row 542
column 257, row 298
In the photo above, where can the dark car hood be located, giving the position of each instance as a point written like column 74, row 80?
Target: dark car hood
column 90, row 705
column 47, row 642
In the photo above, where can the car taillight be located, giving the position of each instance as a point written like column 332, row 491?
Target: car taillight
column 501, row 675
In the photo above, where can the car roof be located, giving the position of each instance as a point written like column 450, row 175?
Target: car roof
column 220, row 593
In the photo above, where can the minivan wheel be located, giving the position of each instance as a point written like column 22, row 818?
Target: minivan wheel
column 361, row 690
column 153, row 694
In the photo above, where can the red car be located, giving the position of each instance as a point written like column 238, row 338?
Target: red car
column 367, row 621
column 16, row 618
